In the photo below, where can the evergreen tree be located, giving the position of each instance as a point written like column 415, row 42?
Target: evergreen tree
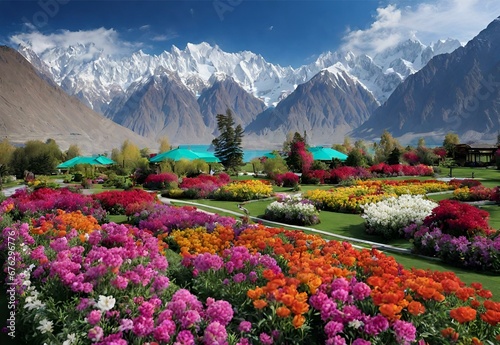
column 228, row 144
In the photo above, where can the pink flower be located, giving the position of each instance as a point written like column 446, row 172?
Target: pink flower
column 375, row 325
column 120, row 282
column 360, row 341
column 215, row 334
column 245, row 326
column 360, row 291
column 336, row 340
column 266, row 339
column 184, row 338
column 164, row 331
column 94, row 317
column 125, row 325
column 95, row 334
column 405, row 331
column 332, row 328
column 220, row 311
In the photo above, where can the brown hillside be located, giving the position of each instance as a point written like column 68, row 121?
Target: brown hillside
column 32, row 109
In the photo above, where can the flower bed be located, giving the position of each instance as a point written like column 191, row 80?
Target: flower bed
column 124, row 202
column 163, row 219
column 292, row 210
column 459, row 234
column 114, row 285
column 202, row 186
column 390, row 216
column 346, row 173
column 384, row 169
column 244, row 190
column 25, row 203
column 350, row 199
column 161, row 181
column 475, row 193
column 288, row 179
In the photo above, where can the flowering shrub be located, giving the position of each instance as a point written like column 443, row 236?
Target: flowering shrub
column 292, row 210
column 478, row 252
column 117, row 202
column 385, row 169
column 24, row 203
column 345, row 173
column 163, row 219
column 390, row 216
column 202, row 186
column 316, row 177
column 474, row 193
column 459, row 183
column 244, row 190
column 288, row 179
column 459, row 219
column 161, row 181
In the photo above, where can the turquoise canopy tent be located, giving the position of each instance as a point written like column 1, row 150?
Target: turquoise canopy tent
column 92, row 160
column 178, row 154
column 320, row 153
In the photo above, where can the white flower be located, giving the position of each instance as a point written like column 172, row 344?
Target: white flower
column 71, row 339
column 105, row 303
column 355, row 324
column 45, row 326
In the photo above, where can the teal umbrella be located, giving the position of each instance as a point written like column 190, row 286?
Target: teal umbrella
column 320, row 153
column 178, row 154
column 92, row 160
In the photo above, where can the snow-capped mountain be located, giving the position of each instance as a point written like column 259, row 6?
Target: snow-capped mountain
column 96, row 78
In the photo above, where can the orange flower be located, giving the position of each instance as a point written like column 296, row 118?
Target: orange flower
column 255, row 294
column 492, row 305
column 283, row 312
column 463, row 314
column 416, row 308
column 491, row 316
column 476, row 341
column 450, row 333
column 259, row 304
column 390, row 311
column 298, row 321
column 299, row 307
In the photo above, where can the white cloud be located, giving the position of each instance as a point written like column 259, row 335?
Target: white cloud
column 164, row 37
column 105, row 40
column 428, row 21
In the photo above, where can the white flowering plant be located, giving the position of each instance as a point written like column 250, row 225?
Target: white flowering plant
column 390, row 216
column 292, row 209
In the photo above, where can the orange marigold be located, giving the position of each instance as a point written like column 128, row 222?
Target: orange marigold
column 259, row 304
column 298, row 321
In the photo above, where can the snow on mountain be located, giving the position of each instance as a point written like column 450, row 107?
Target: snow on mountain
column 96, row 78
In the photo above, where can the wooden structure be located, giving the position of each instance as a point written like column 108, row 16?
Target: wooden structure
column 475, row 154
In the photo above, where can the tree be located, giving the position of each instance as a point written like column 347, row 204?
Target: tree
column 385, row 147
column 299, row 159
column 72, row 152
column 355, row 158
column 6, row 151
column 164, row 144
column 450, row 141
column 228, row 144
column 421, row 142
column 129, row 157
column 394, row 157
column 37, row 157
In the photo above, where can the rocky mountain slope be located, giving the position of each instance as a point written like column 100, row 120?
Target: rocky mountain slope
column 458, row 92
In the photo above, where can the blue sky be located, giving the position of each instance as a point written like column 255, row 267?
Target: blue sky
column 284, row 32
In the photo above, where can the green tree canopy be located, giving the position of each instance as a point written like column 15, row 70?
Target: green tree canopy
column 36, row 156
column 450, row 140
column 228, row 144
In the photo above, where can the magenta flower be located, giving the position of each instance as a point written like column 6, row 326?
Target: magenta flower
column 266, row 339
column 405, row 332
column 360, row 341
column 245, row 326
column 220, row 311
column 126, row 325
column 94, row 317
column 336, row 340
column 215, row 334
column 164, row 331
column 375, row 325
column 95, row 334
column 184, row 338
column 332, row 328
column 360, row 291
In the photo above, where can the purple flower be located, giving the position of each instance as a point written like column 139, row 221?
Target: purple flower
column 120, row 282
column 184, row 338
column 332, row 328
column 375, row 325
column 405, row 332
column 190, row 318
column 245, row 326
column 220, row 311
column 240, row 277
column 266, row 339
column 336, row 340
column 360, row 291
column 125, row 325
column 164, row 331
column 360, row 341
column 215, row 334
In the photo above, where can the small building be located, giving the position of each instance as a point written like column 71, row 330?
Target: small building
column 475, row 154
